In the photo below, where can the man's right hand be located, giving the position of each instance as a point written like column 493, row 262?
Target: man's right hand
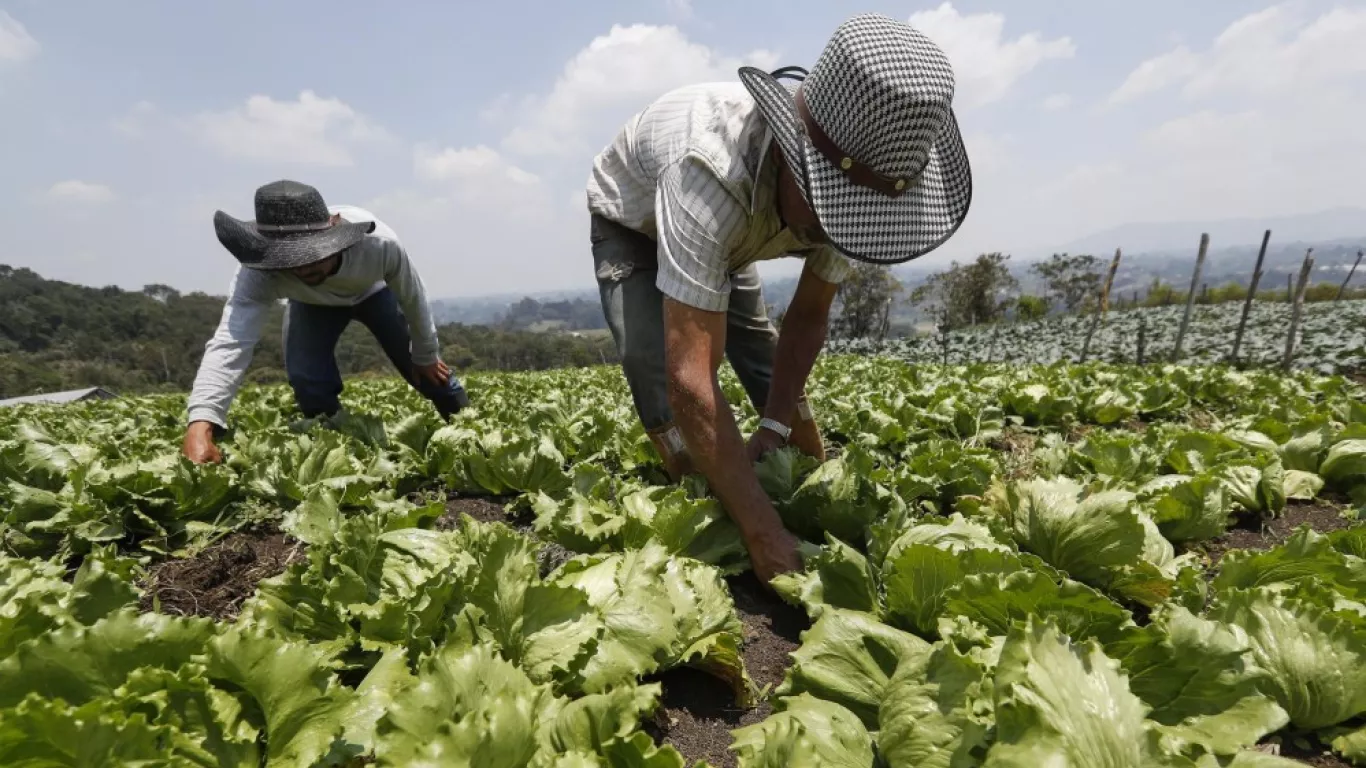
column 198, row 446
column 774, row 553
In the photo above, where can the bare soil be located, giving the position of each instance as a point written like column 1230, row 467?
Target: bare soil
column 485, row 509
column 1018, row 447
column 697, row 711
column 215, row 582
column 1322, row 515
column 493, row 509
column 1310, row 752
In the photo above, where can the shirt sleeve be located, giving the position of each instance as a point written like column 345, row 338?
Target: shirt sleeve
column 697, row 222
column 830, row 265
column 228, row 353
column 406, row 284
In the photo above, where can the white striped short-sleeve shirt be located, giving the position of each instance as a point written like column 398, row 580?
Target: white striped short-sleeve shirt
column 694, row 172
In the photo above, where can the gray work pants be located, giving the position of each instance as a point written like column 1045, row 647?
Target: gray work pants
column 627, row 264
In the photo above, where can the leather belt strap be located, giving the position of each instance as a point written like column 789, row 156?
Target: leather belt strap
column 856, row 171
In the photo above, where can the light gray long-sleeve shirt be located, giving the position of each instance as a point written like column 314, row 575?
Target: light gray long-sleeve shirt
column 367, row 267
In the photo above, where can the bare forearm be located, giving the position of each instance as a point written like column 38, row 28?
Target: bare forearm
column 799, row 345
column 718, row 451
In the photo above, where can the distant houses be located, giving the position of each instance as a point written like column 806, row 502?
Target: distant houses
column 70, row 396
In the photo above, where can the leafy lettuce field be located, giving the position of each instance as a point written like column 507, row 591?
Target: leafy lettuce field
column 1332, row 338
column 1006, row 566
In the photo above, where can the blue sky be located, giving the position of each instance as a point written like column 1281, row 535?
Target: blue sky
column 470, row 127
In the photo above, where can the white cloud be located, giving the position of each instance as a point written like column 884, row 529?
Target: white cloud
column 1156, row 74
column 76, row 191
column 1264, row 54
column 480, row 231
column 137, row 121
column 16, row 44
column 985, row 63
column 987, row 152
column 309, row 131
column 477, row 163
column 1270, row 52
column 476, row 219
column 1057, row 101
column 1263, row 142
column 616, row 75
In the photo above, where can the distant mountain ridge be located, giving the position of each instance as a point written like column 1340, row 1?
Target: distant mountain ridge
column 1152, row 250
column 1141, row 238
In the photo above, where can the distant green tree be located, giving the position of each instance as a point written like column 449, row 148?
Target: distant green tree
column 1161, row 294
column 1072, row 281
column 863, row 305
column 56, row 335
column 967, row 294
column 1031, row 307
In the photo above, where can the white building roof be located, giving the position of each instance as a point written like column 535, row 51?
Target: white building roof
column 70, row 396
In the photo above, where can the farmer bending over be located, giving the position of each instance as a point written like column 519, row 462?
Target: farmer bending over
column 860, row 158
column 334, row 264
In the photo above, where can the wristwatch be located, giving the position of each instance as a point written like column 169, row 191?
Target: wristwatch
column 775, row 427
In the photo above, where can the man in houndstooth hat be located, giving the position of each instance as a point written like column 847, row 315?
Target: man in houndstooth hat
column 861, row 158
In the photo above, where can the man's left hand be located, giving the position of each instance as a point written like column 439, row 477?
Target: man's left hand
column 763, row 442
column 438, row 373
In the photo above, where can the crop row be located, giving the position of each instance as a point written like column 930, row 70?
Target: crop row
column 1331, row 338
column 997, row 558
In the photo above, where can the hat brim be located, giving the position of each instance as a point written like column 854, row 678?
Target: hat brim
column 862, row 223
column 257, row 251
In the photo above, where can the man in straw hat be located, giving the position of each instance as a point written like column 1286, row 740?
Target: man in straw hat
column 334, row 264
column 861, row 158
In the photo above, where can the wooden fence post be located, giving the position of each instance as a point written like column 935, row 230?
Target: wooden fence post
column 1295, row 308
column 1190, row 297
column 1353, row 271
column 1247, row 303
column 1142, row 337
column 944, row 337
column 1104, row 305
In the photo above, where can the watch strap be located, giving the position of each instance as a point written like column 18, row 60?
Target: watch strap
column 781, row 430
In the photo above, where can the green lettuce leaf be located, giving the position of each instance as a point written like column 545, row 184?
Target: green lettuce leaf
column 1315, row 660
column 1063, row 704
column 848, row 658
column 936, row 712
column 806, row 732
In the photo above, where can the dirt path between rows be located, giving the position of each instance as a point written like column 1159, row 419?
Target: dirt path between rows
column 215, row 582
column 1322, row 515
column 697, row 711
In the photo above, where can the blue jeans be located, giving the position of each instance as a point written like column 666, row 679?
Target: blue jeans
column 627, row 266
column 311, row 334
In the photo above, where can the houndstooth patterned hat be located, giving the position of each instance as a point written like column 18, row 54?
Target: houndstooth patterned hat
column 872, row 138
